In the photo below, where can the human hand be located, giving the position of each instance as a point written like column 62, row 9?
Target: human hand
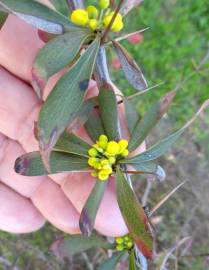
column 25, row 202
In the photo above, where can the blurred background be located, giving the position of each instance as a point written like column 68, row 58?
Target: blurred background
column 169, row 52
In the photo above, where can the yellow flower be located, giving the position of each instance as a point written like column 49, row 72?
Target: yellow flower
column 93, row 23
column 80, row 17
column 125, row 153
column 112, row 148
column 119, row 240
column 92, row 152
column 117, row 24
column 119, row 247
column 92, row 12
column 102, row 176
column 104, row 3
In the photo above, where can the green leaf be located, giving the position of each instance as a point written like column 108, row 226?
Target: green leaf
column 70, row 143
column 72, row 244
column 131, row 70
column 151, row 118
column 132, row 261
column 151, row 168
column 132, row 115
column 38, row 15
column 61, row 6
column 31, row 164
column 3, row 17
column 108, row 109
column 94, row 126
column 134, row 216
column 65, row 100
column 111, row 263
column 161, row 147
column 83, row 114
column 89, row 212
column 55, row 55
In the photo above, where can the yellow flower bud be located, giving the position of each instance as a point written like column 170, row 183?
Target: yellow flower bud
column 102, row 144
column 113, row 148
column 117, row 24
column 112, row 160
column 80, row 17
column 127, row 238
column 104, row 3
column 129, row 244
column 103, row 176
column 107, row 169
column 94, row 174
column 104, row 162
column 92, row 12
column 119, row 247
column 92, row 161
column 119, row 240
column 92, row 152
column 103, row 138
column 123, row 145
column 93, row 23
column 125, row 153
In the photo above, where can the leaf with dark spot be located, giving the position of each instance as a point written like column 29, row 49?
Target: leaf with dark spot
column 108, row 109
column 54, row 56
column 31, row 164
column 38, row 15
column 89, row 212
column 134, row 216
column 70, row 245
column 64, row 101
column 150, row 119
column 131, row 70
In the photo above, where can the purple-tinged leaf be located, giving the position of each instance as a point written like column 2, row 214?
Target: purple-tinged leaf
column 31, row 164
column 112, row 262
column 64, row 101
column 129, row 5
column 150, row 119
column 3, row 17
column 89, row 212
column 134, row 216
column 152, row 169
column 108, row 109
column 54, row 56
column 161, row 147
column 72, row 244
column 61, row 6
column 132, row 115
column 94, row 125
column 38, row 15
column 131, row 70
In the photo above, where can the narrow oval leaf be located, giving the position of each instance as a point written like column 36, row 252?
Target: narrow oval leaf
column 94, row 125
column 108, row 109
column 152, row 168
column 89, row 212
column 132, row 115
column 3, row 17
column 131, row 70
column 65, row 100
column 38, row 15
column 150, row 119
column 31, row 164
column 160, row 148
column 134, row 216
column 54, row 56
column 112, row 262
column 61, row 6
column 70, row 143
column 72, row 244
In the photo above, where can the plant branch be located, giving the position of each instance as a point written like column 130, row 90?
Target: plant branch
column 107, row 30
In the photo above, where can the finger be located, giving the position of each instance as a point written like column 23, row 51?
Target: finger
column 109, row 221
column 19, row 44
column 17, row 214
column 54, row 205
column 9, row 151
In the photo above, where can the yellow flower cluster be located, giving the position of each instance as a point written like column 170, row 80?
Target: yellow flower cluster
column 103, row 155
column 97, row 19
column 124, row 242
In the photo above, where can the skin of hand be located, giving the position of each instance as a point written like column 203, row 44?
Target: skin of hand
column 27, row 202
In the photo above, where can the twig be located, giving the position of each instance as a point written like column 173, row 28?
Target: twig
column 89, row 264
column 111, row 22
column 146, row 193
